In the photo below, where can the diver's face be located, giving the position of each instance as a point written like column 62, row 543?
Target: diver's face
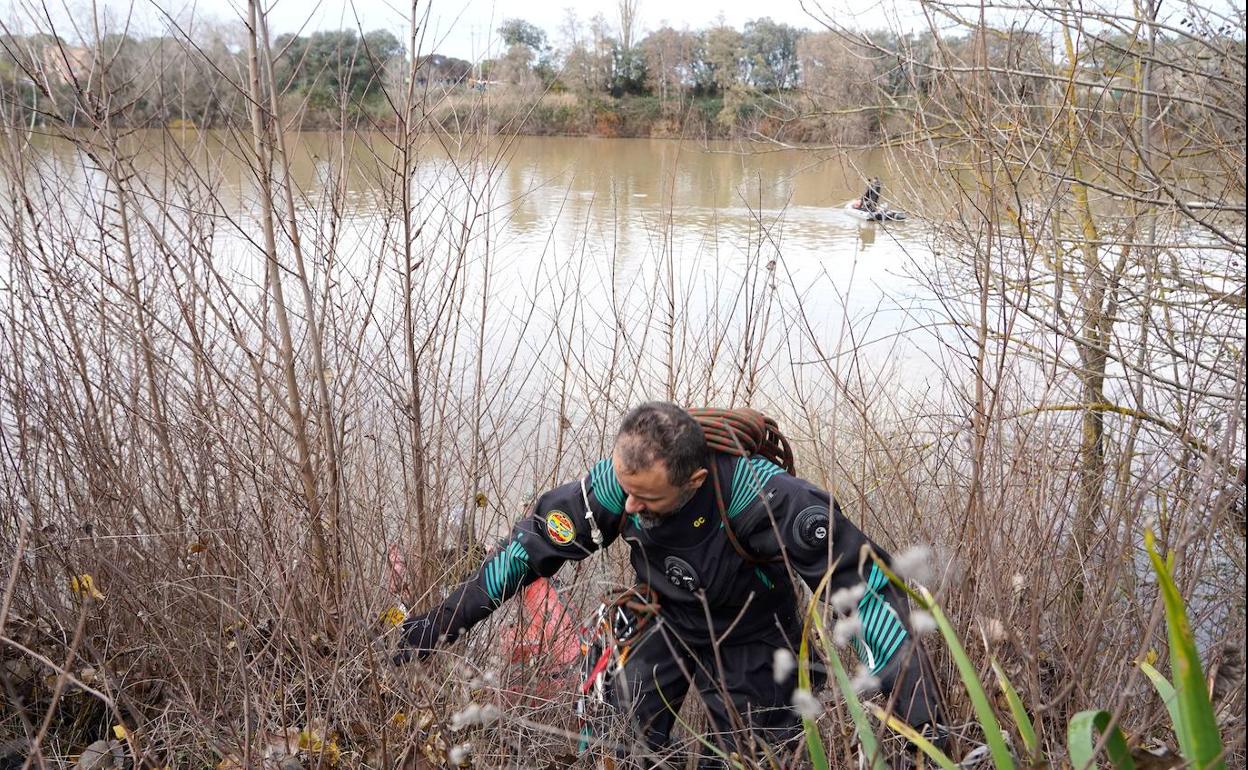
column 650, row 493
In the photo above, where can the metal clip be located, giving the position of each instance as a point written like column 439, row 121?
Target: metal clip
column 595, row 534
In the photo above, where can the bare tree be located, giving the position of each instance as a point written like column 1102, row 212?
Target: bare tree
column 629, row 24
column 1095, row 268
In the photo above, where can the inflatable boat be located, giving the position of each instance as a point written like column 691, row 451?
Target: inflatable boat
column 882, row 213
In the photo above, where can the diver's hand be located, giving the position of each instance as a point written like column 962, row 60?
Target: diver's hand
column 418, row 637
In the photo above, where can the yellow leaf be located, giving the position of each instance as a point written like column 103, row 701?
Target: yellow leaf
column 434, row 750
column 393, row 616
column 481, row 500
column 399, row 719
column 312, row 742
column 1150, row 657
column 83, row 586
column 120, row 732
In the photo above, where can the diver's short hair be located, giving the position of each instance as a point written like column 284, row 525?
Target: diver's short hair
column 657, row 430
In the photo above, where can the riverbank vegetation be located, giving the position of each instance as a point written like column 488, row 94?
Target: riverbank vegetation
column 600, row 77
column 235, row 436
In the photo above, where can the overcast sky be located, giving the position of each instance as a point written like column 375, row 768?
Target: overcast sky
column 465, row 28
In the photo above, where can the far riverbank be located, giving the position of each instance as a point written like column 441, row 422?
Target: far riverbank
column 786, row 118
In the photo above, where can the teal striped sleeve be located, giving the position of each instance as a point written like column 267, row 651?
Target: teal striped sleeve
column 504, row 572
column 748, row 481
column 606, row 487
column 882, row 630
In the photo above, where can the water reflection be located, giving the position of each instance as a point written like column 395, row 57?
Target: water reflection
column 618, row 208
column 866, row 236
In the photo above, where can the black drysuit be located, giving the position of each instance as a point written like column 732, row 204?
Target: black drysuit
column 871, row 198
column 708, row 591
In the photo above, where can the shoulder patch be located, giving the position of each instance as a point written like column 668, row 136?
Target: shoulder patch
column 559, row 527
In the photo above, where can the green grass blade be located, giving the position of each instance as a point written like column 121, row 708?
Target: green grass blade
column 979, row 699
column 1196, row 723
column 866, row 736
column 914, row 736
column 1168, row 697
column 814, row 742
column 1025, row 729
column 1081, row 740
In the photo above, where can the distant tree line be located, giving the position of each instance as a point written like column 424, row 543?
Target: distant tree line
column 154, row 80
column 200, row 80
column 768, row 77
column 602, row 57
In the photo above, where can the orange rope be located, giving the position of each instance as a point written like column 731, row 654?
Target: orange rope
column 745, row 432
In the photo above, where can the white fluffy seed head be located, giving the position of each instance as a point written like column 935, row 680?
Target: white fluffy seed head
column 922, row 622
column 458, row 755
column 864, row 682
column 806, row 704
column 914, row 564
column 474, row 714
column 782, row 664
column 465, row 717
column 994, row 631
column 846, row 629
column 846, row 600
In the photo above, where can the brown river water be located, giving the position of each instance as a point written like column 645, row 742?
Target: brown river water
column 538, row 218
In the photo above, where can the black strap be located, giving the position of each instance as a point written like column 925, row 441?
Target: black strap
column 750, row 558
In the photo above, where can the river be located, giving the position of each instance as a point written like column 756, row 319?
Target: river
column 525, row 210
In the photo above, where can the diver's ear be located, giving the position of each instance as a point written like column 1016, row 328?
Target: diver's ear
column 698, row 477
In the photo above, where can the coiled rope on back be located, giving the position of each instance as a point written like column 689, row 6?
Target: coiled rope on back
column 745, row 432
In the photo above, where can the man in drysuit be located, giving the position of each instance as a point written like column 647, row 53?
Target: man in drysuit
column 719, row 540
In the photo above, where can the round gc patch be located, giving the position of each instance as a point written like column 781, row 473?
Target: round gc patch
column 559, row 527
